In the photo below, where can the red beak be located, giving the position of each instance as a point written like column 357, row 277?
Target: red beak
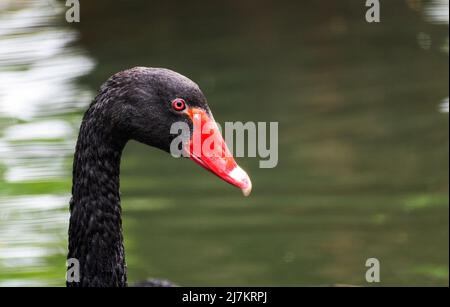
column 208, row 148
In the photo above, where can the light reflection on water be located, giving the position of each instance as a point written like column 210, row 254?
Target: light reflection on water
column 36, row 150
column 32, row 47
column 38, row 69
column 40, row 110
column 436, row 11
column 444, row 106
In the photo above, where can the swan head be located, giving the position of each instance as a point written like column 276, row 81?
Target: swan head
column 166, row 110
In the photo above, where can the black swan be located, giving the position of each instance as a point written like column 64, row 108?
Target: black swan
column 137, row 104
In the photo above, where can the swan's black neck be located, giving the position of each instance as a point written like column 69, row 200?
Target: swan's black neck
column 95, row 229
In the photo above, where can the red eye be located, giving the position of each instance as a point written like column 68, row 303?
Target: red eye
column 179, row 104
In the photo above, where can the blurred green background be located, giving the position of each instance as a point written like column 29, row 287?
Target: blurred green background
column 363, row 139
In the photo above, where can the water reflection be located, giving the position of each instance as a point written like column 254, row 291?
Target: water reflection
column 32, row 229
column 38, row 95
column 444, row 106
column 436, row 11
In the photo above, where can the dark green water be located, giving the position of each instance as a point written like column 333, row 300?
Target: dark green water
column 363, row 140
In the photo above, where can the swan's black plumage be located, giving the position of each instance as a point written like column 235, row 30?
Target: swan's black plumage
column 133, row 104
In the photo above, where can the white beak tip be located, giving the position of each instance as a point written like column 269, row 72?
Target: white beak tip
column 242, row 180
column 248, row 189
